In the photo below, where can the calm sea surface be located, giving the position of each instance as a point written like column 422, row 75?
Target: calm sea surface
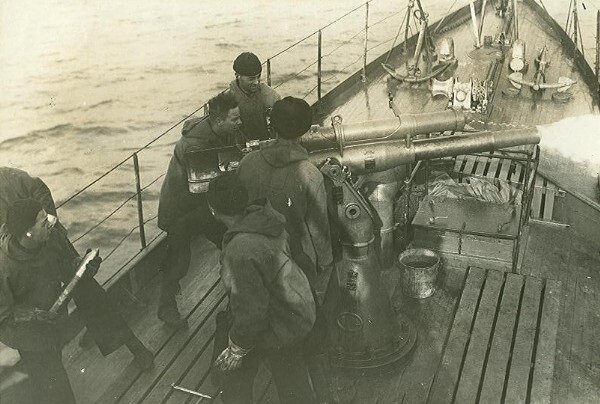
column 86, row 83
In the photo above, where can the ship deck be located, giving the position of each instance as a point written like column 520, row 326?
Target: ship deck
column 550, row 312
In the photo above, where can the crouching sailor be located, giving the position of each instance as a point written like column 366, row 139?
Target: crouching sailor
column 270, row 299
column 34, row 261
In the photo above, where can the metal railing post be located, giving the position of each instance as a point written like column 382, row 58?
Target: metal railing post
column 364, row 69
column 205, row 109
column 138, row 189
column 269, row 72
column 319, row 65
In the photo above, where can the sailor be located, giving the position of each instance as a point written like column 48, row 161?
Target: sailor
column 35, row 258
column 254, row 98
column 104, row 324
column 183, row 214
column 282, row 173
column 271, row 303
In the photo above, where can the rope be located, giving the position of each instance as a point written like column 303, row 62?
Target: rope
column 439, row 24
column 387, row 58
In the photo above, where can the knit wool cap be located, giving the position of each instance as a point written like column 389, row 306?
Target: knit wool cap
column 247, row 64
column 291, row 117
column 227, row 195
column 21, row 216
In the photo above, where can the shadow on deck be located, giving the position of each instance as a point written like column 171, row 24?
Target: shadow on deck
column 547, row 317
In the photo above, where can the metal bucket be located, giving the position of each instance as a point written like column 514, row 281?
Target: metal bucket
column 418, row 270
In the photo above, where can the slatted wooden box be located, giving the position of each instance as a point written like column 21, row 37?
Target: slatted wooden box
column 465, row 231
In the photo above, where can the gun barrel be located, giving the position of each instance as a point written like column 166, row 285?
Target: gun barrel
column 325, row 137
column 379, row 156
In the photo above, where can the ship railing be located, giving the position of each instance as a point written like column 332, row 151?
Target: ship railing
column 362, row 34
column 358, row 44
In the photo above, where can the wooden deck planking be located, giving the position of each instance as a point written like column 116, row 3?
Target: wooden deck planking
column 448, row 372
column 522, row 352
column 182, row 357
column 153, row 332
column 481, row 165
column 493, row 168
column 498, row 358
column 471, row 160
column 504, row 169
column 473, row 366
column 543, row 371
column 458, row 163
column 516, row 175
column 432, row 317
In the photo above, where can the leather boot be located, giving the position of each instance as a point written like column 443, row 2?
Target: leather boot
column 142, row 355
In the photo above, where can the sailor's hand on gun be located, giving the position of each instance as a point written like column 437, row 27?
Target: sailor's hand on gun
column 231, row 357
column 26, row 314
column 92, row 266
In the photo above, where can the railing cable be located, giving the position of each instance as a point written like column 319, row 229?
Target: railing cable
column 94, row 227
column 76, row 194
column 320, row 29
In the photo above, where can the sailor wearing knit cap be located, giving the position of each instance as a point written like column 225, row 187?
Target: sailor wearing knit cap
column 255, row 99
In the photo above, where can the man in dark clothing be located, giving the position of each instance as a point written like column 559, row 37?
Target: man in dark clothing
column 282, row 173
column 182, row 214
column 254, row 98
column 35, row 259
column 99, row 314
column 270, row 299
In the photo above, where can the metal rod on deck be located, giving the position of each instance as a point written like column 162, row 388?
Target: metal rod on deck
column 515, row 21
column 474, row 24
column 406, row 28
column 269, row 72
column 481, row 19
column 319, row 65
column 138, row 188
column 364, row 69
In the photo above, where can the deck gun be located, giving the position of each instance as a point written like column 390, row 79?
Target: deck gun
column 365, row 331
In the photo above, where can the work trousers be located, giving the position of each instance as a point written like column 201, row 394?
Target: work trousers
column 48, row 380
column 289, row 371
column 179, row 235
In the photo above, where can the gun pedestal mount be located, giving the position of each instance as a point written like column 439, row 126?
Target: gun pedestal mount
column 365, row 331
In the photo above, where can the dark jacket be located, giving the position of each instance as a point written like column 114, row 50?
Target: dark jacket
column 175, row 198
column 17, row 184
column 269, row 295
column 29, row 279
column 282, row 173
column 253, row 109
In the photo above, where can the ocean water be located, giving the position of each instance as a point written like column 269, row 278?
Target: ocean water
column 84, row 84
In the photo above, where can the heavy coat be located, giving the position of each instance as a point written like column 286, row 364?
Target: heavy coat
column 282, row 173
column 270, row 298
column 32, row 279
column 253, row 109
column 98, row 312
column 175, row 198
